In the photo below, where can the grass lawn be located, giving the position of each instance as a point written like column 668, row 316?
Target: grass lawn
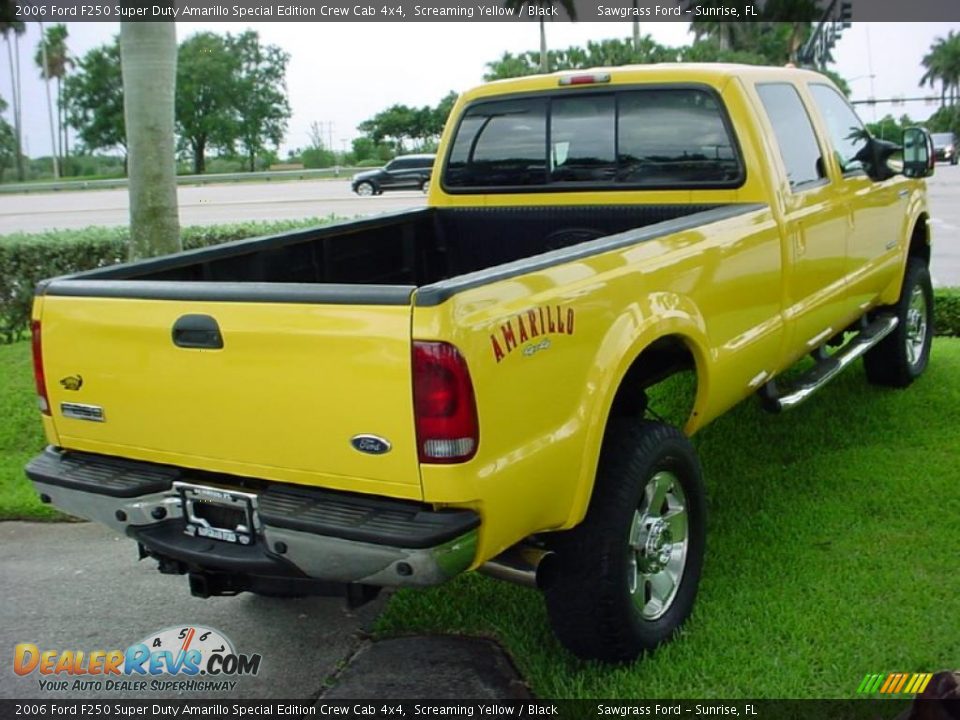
column 832, row 549
column 832, row 553
column 21, row 436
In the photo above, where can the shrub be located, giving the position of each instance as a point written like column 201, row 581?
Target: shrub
column 946, row 314
column 26, row 259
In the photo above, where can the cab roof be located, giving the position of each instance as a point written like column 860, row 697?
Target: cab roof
column 714, row 74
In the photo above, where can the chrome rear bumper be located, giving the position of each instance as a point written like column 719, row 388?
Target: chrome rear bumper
column 296, row 533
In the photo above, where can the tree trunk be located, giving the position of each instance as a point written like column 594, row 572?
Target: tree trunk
column 544, row 58
column 253, row 158
column 148, row 54
column 636, row 31
column 15, row 111
column 62, row 126
column 18, row 106
column 46, row 85
column 199, row 156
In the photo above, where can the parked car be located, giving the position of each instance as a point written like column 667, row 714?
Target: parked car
column 408, row 172
column 945, row 147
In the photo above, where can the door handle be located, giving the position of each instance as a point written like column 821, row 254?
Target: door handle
column 197, row 331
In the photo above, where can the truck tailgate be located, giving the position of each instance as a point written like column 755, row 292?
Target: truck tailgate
column 282, row 399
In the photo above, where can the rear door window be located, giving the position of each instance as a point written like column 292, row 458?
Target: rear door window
column 794, row 132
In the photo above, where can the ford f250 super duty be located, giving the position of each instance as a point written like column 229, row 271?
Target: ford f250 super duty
column 398, row 399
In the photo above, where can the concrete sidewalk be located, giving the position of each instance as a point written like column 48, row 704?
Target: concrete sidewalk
column 80, row 587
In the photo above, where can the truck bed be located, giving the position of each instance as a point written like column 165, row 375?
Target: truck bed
column 394, row 252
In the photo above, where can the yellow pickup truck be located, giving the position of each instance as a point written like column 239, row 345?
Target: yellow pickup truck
column 398, row 399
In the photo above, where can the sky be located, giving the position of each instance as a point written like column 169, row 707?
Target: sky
column 343, row 73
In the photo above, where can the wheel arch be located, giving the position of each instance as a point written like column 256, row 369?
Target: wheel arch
column 651, row 358
column 920, row 240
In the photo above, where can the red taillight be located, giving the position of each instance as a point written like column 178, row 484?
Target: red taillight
column 444, row 404
column 38, row 368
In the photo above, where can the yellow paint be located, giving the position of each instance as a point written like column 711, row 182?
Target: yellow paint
column 281, row 400
column 745, row 295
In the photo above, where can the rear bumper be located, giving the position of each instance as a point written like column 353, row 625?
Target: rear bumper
column 298, row 533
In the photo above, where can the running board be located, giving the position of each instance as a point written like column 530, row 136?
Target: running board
column 827, row 367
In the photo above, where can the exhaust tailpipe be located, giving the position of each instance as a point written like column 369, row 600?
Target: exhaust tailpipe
column 521, row 565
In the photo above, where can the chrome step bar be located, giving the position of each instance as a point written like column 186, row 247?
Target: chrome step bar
column 827, row 367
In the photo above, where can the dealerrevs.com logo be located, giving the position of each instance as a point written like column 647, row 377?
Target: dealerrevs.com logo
column 183, row 658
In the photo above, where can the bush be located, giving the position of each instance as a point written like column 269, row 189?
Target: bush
column 946, row 314
column 26, row 259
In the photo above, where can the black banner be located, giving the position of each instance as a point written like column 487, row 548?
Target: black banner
column 465, row 10
column 495, row 709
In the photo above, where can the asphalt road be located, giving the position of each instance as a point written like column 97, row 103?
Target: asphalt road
column 944, row 196
column 201, row 205
column 69, row 586
column 211, row 204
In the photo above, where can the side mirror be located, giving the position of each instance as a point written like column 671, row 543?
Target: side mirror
column 918, row 154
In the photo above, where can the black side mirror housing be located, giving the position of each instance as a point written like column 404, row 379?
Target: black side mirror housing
column 918, row 153
column 875, row 156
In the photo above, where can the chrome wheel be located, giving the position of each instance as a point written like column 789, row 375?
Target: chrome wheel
column 659, row 540
column 365, row 189
column 916, row 334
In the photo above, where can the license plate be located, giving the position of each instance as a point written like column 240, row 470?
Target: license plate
column 224, row 515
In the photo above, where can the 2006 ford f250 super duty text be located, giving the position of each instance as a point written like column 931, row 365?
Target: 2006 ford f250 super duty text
column 398, row 399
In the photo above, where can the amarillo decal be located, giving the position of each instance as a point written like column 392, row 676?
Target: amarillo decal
column 534, row 323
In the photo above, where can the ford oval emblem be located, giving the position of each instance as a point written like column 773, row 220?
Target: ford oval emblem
column 370, row 444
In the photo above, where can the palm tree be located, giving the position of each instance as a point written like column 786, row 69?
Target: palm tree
column 57, row 62
column 53, row 128
column 942, row 64
column 15, row 28
column 148, row 59
column 518, row 7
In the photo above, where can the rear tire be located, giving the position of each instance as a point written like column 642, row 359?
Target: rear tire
column 626, row 578
column 902, row 356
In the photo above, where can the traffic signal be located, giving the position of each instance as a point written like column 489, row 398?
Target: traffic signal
column 846, row 13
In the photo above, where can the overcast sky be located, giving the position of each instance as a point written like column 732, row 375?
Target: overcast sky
column 345, row 72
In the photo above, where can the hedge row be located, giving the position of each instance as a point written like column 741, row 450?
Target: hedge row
column 946, row 314
column 25, row 259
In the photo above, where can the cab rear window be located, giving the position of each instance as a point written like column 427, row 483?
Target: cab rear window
column 657, row 138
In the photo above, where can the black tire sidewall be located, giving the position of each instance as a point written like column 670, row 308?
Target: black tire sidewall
column 590, row 605
column 675, row 457
column 917, row 275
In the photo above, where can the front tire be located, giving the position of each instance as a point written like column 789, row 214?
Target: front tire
column 626, row 578
column 902, row 356
column 365, row 189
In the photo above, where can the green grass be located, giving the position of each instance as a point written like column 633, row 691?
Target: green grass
column 832, row 549
column 21, row 436
column 832, row 553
